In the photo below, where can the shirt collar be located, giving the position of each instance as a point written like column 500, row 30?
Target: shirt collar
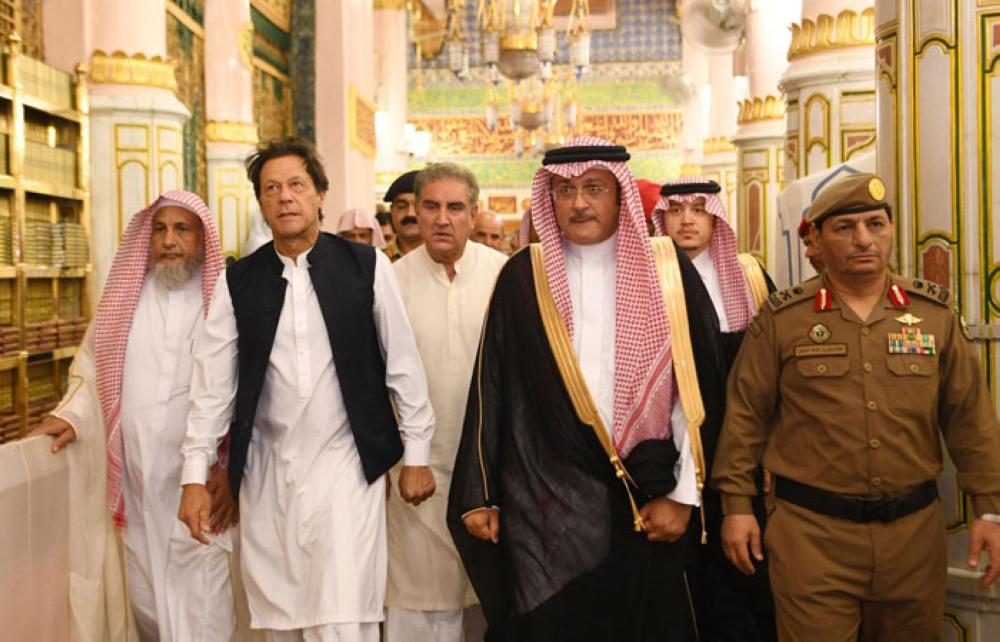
column 290, row 265
column 704, row 264
column 595, row 252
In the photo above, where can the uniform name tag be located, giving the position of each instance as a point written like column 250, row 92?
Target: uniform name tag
column 821, row 350
column 911, row 341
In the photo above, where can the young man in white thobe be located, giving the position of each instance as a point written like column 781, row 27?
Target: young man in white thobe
column 133, row 370
column 446, row 285
column 305, row 342
column 728, row 605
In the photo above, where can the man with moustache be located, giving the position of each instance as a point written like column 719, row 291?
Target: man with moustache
column 127, row 405
column 487, row 228
column 445, row 284
column 579, row 461
column 843, row 389
column 306, row 360
column 403, row 214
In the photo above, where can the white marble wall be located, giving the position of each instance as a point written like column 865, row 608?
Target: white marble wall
column 937, row 78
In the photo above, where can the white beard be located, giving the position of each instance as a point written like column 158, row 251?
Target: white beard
column 174, row 276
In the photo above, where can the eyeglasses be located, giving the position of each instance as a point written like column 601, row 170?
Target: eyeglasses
column 590, row 193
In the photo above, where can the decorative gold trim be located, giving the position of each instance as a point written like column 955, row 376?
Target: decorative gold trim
column 361, row 111
column 527, row 40
column 811, row 140
column 227, row 131
column 572, row 376
column 672, row 290
column 389, row 5
column 271, row 70
column 119, row 68
column 718, row 145
column 690, row 169
column 755, row 277
column 185, row 19
column 266, row 9
column 757, row 109
column 245, row 44
column 826, row 33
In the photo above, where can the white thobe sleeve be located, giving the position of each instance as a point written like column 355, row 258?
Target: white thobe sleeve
column 686, row 491
column 80, row 406
column 404, row 372
column 213, row 386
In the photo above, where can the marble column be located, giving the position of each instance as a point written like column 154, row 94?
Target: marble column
column 829, row 86
column 718, row 155
column 345, row 109
column 759, row 139
column 230, row 131
column 696, row 69
column 391, row 89
column 136, row 119
column 937, row 75
column 829, row 89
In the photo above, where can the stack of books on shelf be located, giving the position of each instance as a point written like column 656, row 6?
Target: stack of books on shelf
column 41, row 336
column 69, row 332
column 69, row 245
column 10, row 340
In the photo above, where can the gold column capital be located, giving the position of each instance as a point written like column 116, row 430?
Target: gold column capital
column 829, row 33
column 756, row 109
column 717, row 145
column 227, row 131
column 389, row 5
column 119, row 68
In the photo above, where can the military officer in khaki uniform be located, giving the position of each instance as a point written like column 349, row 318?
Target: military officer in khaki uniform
column 844, row 385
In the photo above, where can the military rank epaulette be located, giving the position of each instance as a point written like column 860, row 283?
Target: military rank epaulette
column 783, row 298
column 928, row 290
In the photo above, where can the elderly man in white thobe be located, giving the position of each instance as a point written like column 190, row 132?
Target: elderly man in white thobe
column 446, row 285
column 133, row 370
column 305, row 354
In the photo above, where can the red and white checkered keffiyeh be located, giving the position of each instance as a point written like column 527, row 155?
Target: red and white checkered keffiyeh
column 115, row 313
column 737, row 297
column 643, row 358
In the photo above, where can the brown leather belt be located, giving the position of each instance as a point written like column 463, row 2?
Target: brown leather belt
column 856, row 508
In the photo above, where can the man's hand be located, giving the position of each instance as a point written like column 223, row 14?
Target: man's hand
column 416, row 483
column 740, row 532
column 225, row 510
column 484, row 525
column 58, row 428
column 665, row 519
column 196, row 505
column 985, row 536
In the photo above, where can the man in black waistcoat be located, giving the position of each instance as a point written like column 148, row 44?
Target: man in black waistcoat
column 305, row 352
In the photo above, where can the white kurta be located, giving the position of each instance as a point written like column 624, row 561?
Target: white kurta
column 425, row 571
column 590, row 272
column 313, row 548
column 710, row 277
column 170, row 577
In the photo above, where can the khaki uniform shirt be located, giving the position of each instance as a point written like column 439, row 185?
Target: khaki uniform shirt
column 856, row 407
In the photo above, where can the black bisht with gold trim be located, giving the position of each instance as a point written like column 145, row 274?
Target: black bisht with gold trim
column 569, row 564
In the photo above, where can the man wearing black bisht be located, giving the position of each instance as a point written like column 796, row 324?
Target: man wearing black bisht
column 729, row 606
column 580, row 460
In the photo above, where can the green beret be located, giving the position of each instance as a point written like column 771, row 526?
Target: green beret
column 849, row 195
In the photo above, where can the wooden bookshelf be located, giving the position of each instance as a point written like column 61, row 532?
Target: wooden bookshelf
column 44, row 233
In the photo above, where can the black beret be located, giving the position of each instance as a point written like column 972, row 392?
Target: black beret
column 402, row 185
